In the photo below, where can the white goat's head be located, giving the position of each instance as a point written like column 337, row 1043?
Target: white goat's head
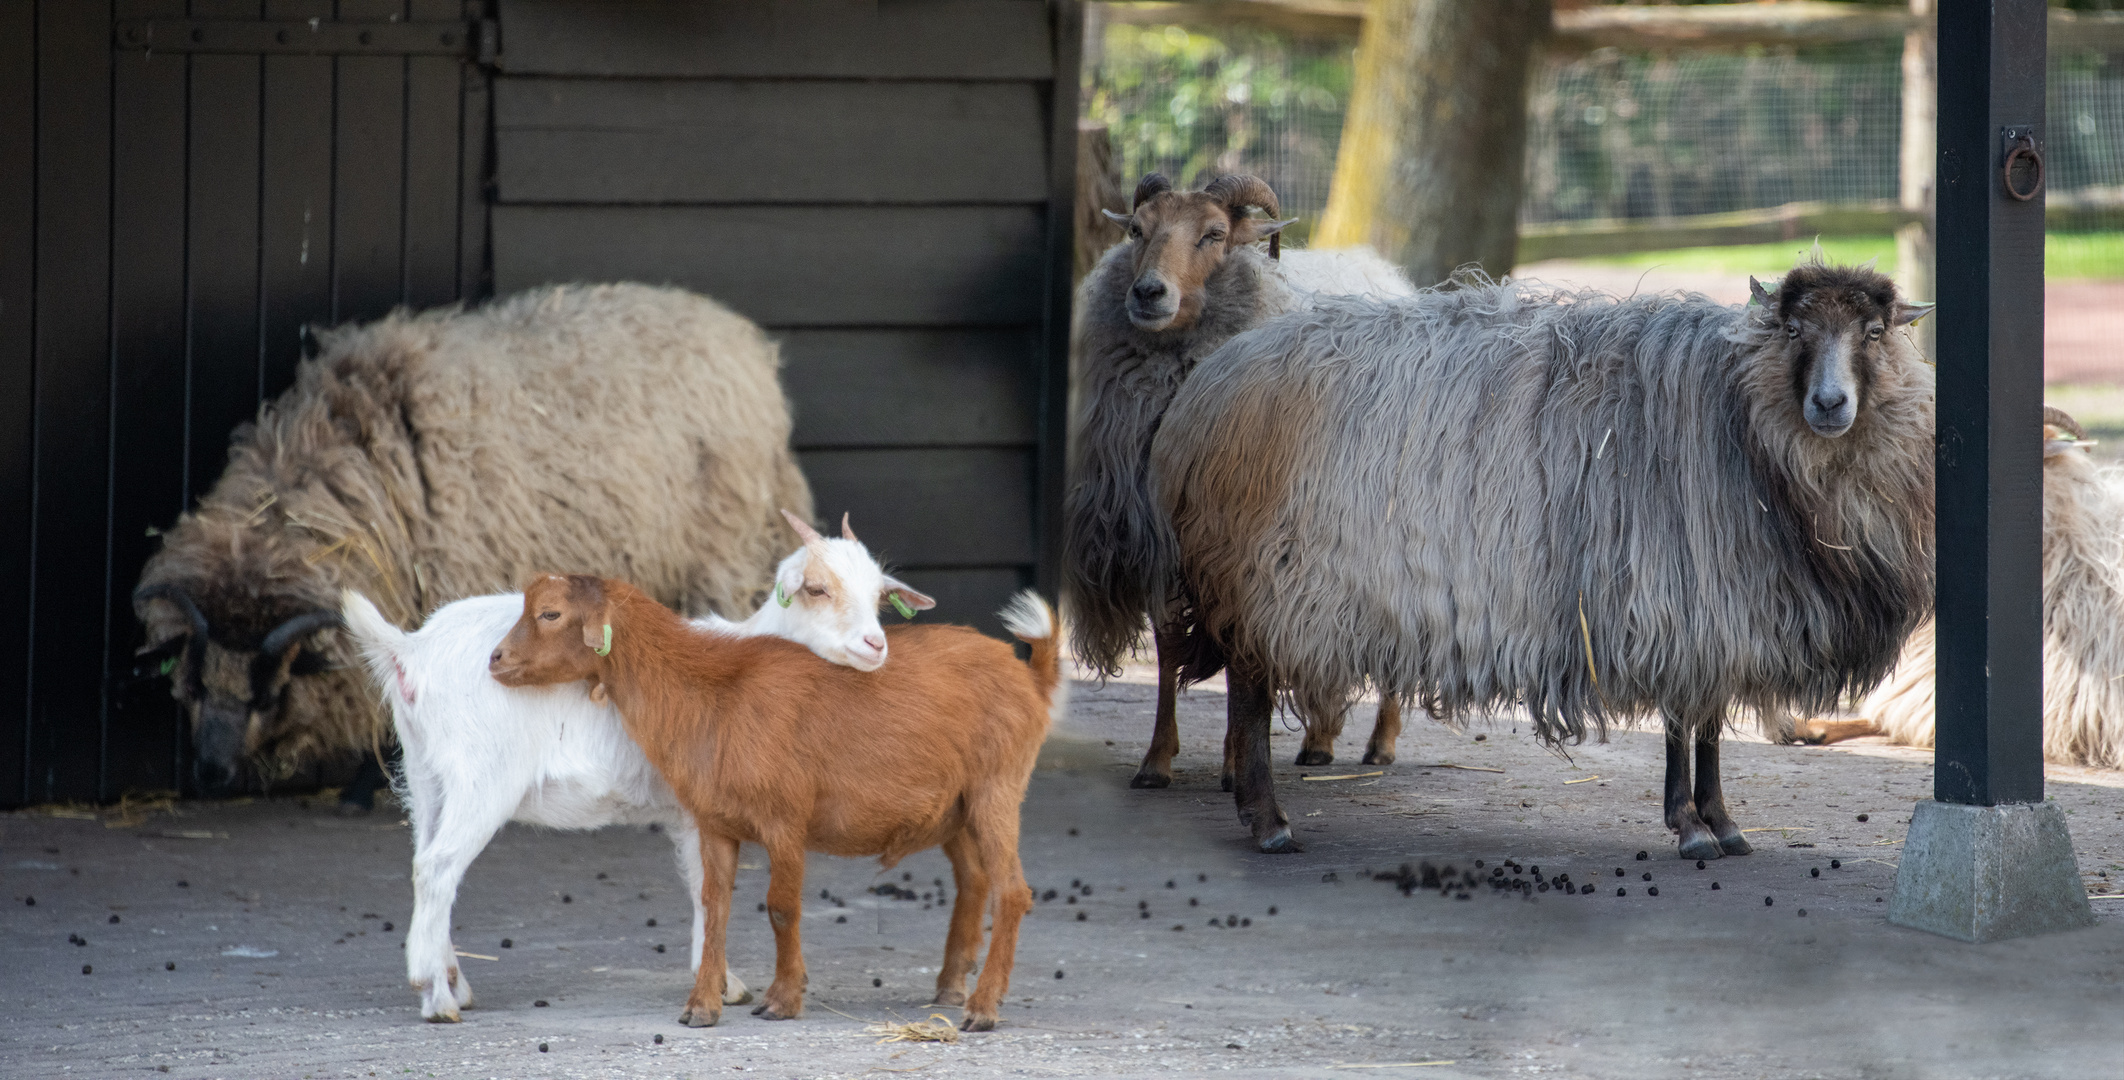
column 1835, row 321
column 835, row 589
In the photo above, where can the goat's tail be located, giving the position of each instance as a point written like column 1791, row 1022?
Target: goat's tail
column 1034, row 623
column 380, row 642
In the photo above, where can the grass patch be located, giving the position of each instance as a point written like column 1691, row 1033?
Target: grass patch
column 2066, row 256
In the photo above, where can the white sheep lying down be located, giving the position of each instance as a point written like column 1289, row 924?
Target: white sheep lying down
column 479, row 754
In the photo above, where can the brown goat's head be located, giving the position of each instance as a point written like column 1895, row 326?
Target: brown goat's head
column 1835, row 322
column 1181, row 237
column 565, row 630
column 231, row 673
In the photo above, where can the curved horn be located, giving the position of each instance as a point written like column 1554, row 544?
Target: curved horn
column 1152, row 184
column 846, row 532
column 175, row 594
column 803, row 529
column 290, row 634
column 2059, row 418
column 1240, row 190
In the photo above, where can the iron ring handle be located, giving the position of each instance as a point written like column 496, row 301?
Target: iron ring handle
column 2024, row 147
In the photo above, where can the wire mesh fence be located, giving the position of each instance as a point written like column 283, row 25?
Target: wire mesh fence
column 1610, row 135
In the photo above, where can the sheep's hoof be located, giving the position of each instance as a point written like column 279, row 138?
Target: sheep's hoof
column 1281, row 842
column 1149, row 779
column 1309, row 756
column 950, row 999
column 351, row 808
column 1225, row 781
column 1736, row 844
column 978, row 1021
column 696, row 1017
column 1701, row 846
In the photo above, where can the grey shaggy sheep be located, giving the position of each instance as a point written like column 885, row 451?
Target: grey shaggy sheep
column 616, row 429
column 2083, row 622
column 1501, row 495
column 1184, row 282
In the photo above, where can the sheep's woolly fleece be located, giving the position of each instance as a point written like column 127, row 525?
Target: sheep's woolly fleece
column 1505, row 494
column 626, row 430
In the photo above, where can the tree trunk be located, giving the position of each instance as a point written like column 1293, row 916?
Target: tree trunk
column 1433, row 151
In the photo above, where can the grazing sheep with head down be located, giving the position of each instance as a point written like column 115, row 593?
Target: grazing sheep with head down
column 423, row 458
column 2083, row 622
column 1184, row 282
column 1500, row 495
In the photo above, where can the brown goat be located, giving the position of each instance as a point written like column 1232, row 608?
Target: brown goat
column 762, row 741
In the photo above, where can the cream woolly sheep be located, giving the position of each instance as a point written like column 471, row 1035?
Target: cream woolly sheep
column 422, row 458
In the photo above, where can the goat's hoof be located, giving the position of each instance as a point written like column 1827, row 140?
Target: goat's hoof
column 743, row 996
column 1149, row 779
column 1281, row 842
column 1379, row 757
column 767, row 1010
column 694, row 1017
column 1736, row 844
column 950, row 999
column 978, row 1021
column 1702, row 846
column 1316, row 757
column 442, row 1018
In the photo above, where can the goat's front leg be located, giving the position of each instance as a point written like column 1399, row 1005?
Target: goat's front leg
column 1816, row 731
column 1386, row 731
column 1711, row 795
column 784, row 999
column 1697, row 839
column 686, row 840
column 970, row 877
column 1250, row 706
column 718, row 863
column 1157, row 768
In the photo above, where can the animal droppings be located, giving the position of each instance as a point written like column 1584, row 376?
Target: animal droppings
column 1272, row 909
column 29, row 901
column 1192, row 902
column 1836, row 864
column 1087, row 890
column 1643, row 855
column 1648, row 877
column 1622, row 892
column 906, row 877
column 510, row 943
column 601, row 875
column 1653, row 891
column 1080, row 916
column 659, row 948
column 86, row 969
column 1073, row 830
column 114, row 920
column 76, row 939
column 1862, row 817
column 652, row 922
column 539, row 1004
column 1170, row 884
column 1145, row 914
column 1699, row 864
column 1767, row 901
column 1876, row 899
column 1803, row 913
column 1814, row 871
column 763, row 907
column 1246, row 922
column 182, row 884
column 825, row 894
column 877, row 982
column 1618, row 871
column 387, row 926
column 1058, row 973
column 660, row 1040
column 1142, row 905
column 542, row 1048
column 1481, row 738
column 1076, row 883
column 566, row 899
column 1177, row 926
column 837, row 918
column 1201, row 877
column 1714, row 886
column 1048, row 895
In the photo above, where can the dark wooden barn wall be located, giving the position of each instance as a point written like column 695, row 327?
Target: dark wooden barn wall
column 169, row 224
column 877, row 184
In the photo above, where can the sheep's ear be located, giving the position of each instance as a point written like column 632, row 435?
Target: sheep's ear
column 1118, row 219
column 1907, row 312
column 905, row 600
column 1248, row 230
column 1756, row 295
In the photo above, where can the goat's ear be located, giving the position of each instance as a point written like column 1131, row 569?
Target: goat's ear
column 1248, row 230
column 897, row 592
column 1756, row 294
column 1907, row 312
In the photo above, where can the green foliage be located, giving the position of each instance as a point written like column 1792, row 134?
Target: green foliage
column 2066, row 256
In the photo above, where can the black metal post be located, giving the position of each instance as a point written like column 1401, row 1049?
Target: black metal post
column 1992, row 57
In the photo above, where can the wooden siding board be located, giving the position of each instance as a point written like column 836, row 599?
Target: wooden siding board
column 432, row 153
column 795, row 266
column 940, row 508
column 72, row 400
column 296, row 213
column 222, row 257
column 731, row 141
column 368, row 186
column 475, row 245
column 18, row 232
column 1053, row 463
column 916, row 387
column 904, row 39
column 147, row 386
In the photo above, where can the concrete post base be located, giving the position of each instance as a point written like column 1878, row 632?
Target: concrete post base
column 1987, row 873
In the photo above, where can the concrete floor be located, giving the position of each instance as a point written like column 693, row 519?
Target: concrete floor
column 1348, row 977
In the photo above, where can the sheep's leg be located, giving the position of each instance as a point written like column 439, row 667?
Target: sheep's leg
column 784, row 999
column 1251, row 706
column 1711, row 796
column 1386, row 731
column 458, row 830
column 1227, row 780
column 994, row 821
column 718, row 863
column 1321, row 731
column 1697, row 839
column 1157, row 768
column 687, row 842
column 970, row 878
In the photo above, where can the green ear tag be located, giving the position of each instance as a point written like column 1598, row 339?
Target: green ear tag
column 780, row 597
column 607, row 650
column 900, row 605
column 169, row 664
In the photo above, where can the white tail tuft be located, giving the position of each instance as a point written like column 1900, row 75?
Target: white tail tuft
column 1028, row 616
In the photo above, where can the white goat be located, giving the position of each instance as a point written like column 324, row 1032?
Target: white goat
column 479, row 754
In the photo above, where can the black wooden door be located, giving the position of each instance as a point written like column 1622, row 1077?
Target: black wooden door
column 185, row 188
